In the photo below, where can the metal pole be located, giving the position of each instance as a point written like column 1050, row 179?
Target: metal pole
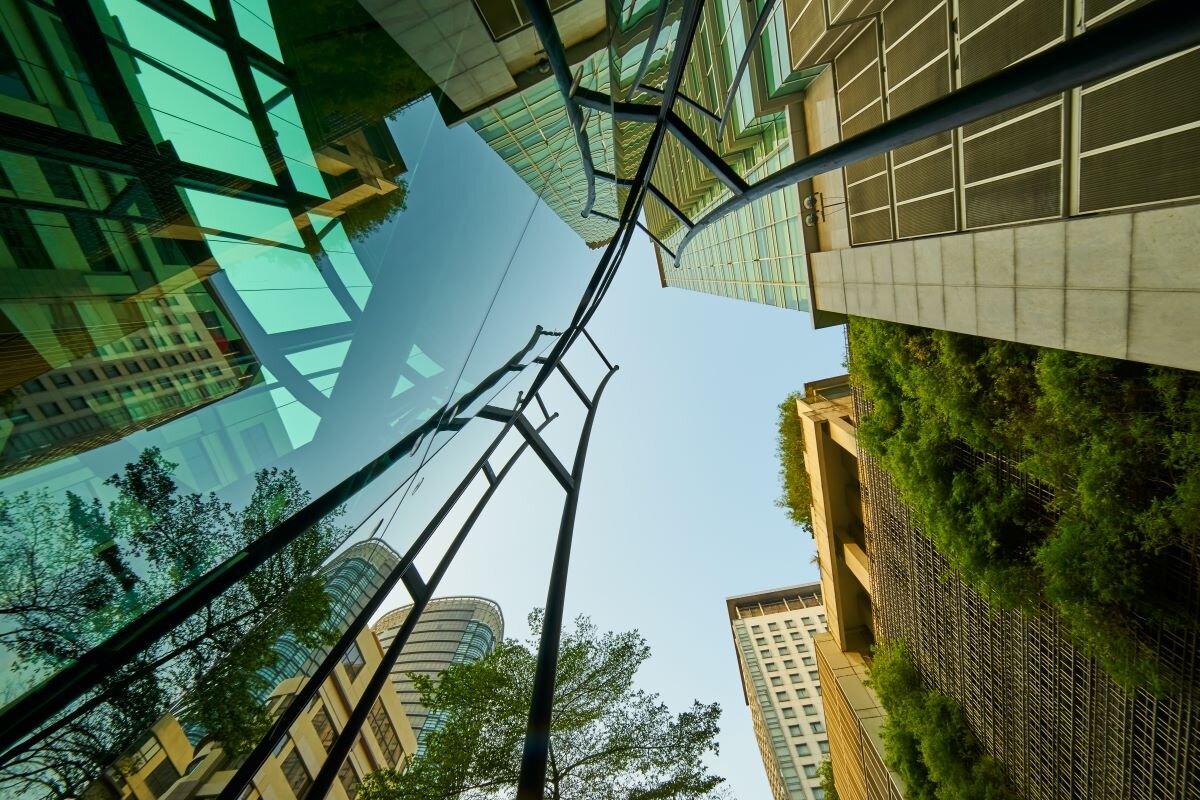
column 532, row 781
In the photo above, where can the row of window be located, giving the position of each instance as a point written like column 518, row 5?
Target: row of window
column 788, row 623
column 783, row 651
column 790, row 713
column 54, row 408
column 801, row 692
column 815, row 727
column 761, row 641
column 803, row 748
column 63, row 380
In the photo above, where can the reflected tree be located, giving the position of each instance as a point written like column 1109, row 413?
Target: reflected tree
column 66, row 584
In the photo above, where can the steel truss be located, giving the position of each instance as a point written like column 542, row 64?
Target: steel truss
column 1156, row 29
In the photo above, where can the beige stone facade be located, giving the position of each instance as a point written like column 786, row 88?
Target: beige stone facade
column 853, row 716
column 773, row 634
column 167, row 764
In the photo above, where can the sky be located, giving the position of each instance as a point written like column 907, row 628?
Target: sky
column 677, row 507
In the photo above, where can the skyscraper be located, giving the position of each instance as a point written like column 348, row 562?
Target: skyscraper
column 452, row 630
column 773, row 634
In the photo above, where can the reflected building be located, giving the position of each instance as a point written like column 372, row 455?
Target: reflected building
column 166, row 764
column 773, row 635
column 451, row 630
column 351, row 579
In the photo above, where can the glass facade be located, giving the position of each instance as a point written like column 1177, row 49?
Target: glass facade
column 227, row 289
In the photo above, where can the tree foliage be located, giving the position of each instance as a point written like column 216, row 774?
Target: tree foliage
column 1117, row 443
column 67, row 584
column 926, row 737
column 828, row 788
column 609, row 739
column 368, row 216
column 797, row 492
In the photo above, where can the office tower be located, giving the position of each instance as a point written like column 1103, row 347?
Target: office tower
column 166, row 764
column 1050, row 716
column 351, row 579
column 773, row 634
column 451, row 630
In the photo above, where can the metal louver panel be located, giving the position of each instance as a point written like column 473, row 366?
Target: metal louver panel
column 916, row 40
column 1132, row 152
column 1011, row 163
column 1009, row 33
column 860, row 103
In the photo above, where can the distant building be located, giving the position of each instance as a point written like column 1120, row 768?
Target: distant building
column 773, row 634
column 452, row 630
column 166, row 765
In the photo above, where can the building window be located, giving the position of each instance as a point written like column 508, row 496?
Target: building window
column 803, row 749
column 323, row 725
column 354, row 661
column 111, row 371
column 808, row 661
column 818, row 793
column 772, row 626
column 162, row 778
column 802, row 647
column 385, row 734
column 77, row 403
column 778, row 638
column 153, row 363
column 33, row 385
column 794, row 677
column 789, row 664
column 102, row 396
column 88, row 375
column 817, row 727
column 795, row 636
column 62, row 180
column 811, row 633
column 810, row 771
column 810, row 710
column 789, row 623
column 802, row 692
column 50, row 409
column 756, row 628
column 139, row 343
column 821, row 617
column 813, row 675
column 781, row 696
column 794, row 730
column 777, row 681
column 761, row 641
column 171, row 360
column 295, row 773
column 789, row 713
column 348, row 777
column 772, row 667
column 61, row 380
column 764, row 653
column 818, row 691
column 12, row 79
column 823, row 745
column 806, row 620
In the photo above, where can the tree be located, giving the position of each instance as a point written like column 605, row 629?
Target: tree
column 827, row 785
column 65, row 586
column 797, row 492
column 366, row 217
column 608, row 739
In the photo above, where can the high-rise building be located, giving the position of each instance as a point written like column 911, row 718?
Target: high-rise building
column 166, row 764
column 351, row 579
column 774, row 634
column 451, row 630
column 1057, row 724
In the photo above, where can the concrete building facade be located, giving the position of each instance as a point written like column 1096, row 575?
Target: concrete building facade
column 853, row 714
column 773, row 635
column 451, row 630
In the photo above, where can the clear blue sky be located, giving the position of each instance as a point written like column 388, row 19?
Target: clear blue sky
column 677, row 508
